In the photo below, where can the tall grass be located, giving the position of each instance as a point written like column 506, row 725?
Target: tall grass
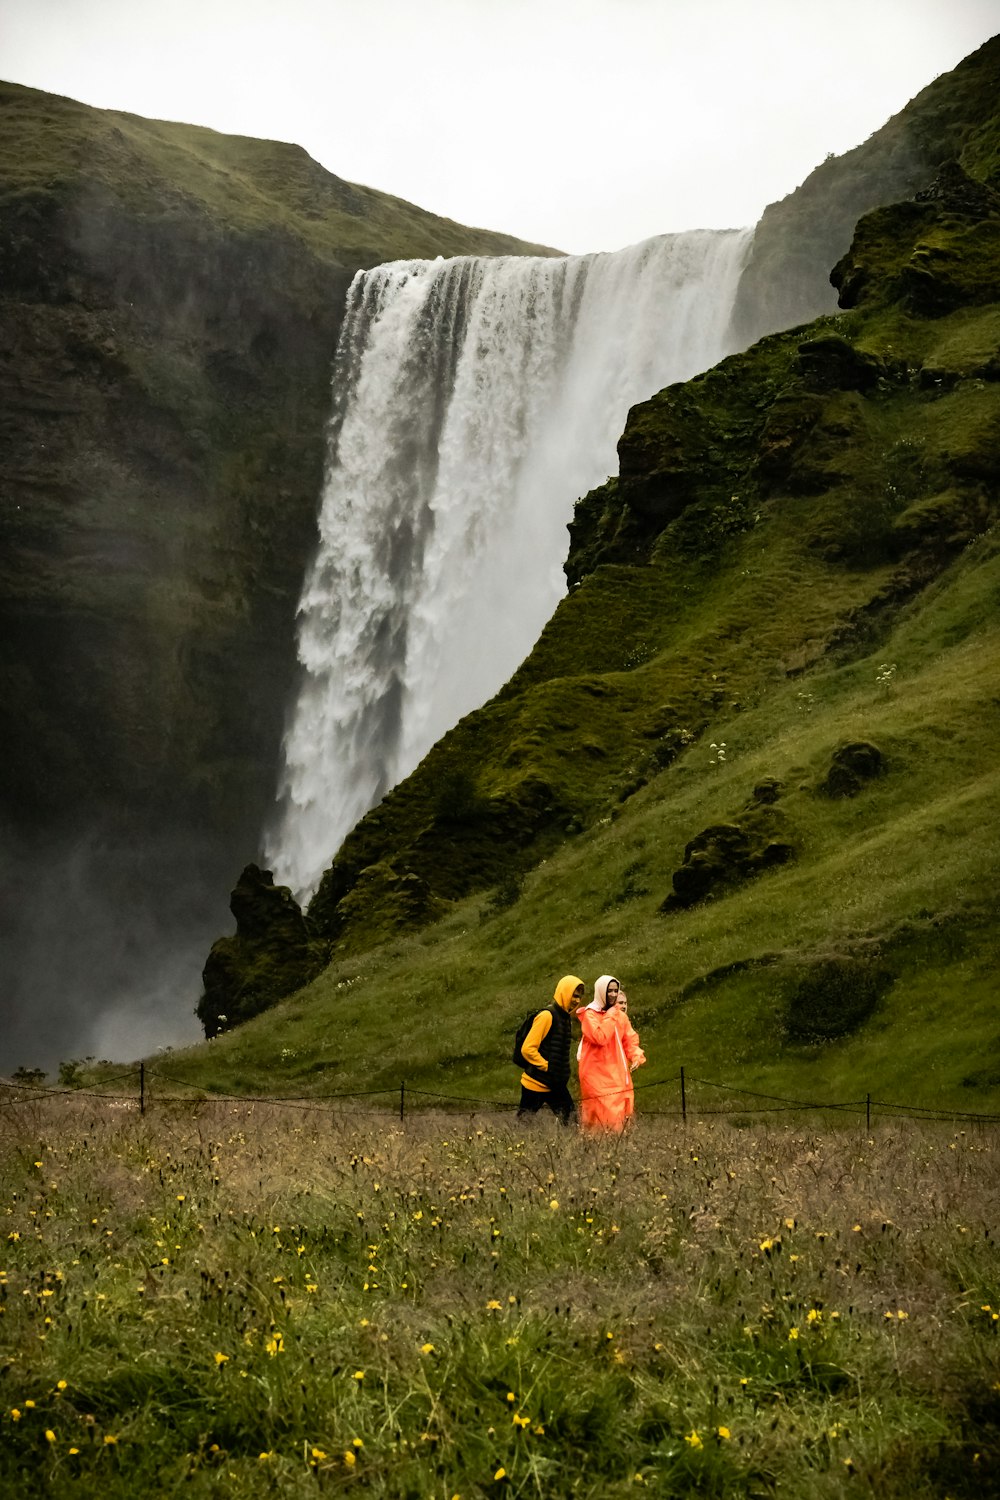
column 248, row 1300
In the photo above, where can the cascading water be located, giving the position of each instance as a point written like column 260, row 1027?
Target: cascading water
column 476, row 400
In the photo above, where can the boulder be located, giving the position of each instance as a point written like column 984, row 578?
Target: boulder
column 852, row 767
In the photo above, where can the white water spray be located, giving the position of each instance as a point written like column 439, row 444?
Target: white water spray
column 477, row 399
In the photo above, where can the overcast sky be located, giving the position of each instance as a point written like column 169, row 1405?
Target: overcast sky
column 584, row 124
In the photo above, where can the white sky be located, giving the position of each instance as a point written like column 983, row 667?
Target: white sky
column 583, row 124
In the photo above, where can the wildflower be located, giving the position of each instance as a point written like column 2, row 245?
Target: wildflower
column 814, row 1315
column 793, row 1333
column 263, row 1457
column 15, row 1415
column 358, row 1375
column 724, row 1433
column 427, row 1348
column 180, row 1197
column 60, row 1385
column 693, row 1440
column 109, row 1440
column 520, row 1421
column 511, row 1396
column 553, row 1203
column 221, row 1359
column 350, row 1459
column 501, row 1473
column 318, row 1455
column 73, row 1451
column 493, row 1305
column 357, row 1443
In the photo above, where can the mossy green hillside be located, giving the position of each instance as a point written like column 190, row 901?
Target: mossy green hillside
column 799, row 556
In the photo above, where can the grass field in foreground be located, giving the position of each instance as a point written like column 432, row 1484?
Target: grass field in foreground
column 255, row 1301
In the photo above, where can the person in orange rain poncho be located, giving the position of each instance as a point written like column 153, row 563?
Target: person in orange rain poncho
column 608, row 1054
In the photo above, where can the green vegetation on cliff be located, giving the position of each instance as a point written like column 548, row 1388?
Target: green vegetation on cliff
column 751, row 764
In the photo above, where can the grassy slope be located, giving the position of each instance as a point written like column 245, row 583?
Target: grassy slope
column 833, row 533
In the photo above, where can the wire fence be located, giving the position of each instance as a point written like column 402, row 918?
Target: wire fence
column 678, row 1096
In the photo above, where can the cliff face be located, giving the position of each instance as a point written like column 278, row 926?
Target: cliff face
column 799, row 238
column 169, row 305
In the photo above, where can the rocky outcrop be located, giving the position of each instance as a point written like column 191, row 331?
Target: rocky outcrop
column 273, row 953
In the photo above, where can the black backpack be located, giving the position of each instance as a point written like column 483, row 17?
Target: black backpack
column 521, row 1033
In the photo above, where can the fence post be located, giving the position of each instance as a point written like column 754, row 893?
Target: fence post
column 402, row 1098
column 142, row 1088
column 684, row 1109
column 868, row 1112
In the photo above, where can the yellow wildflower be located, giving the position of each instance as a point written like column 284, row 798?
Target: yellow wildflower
column 693, row 1440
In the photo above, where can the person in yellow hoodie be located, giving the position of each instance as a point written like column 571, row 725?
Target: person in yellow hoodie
column 546, row 1053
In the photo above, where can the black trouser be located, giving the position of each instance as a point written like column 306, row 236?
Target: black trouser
column 557, row 1098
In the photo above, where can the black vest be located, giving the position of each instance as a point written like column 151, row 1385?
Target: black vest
column 554, row 1047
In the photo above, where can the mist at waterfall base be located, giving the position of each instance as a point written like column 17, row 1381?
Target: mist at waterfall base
column 477, row 400
column 103, row 938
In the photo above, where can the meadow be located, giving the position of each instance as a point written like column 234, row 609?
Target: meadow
column 220, row 1297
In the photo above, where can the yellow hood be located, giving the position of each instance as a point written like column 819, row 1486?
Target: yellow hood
column 564, row 990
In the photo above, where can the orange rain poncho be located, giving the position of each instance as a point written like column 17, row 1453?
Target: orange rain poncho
column 608, row 1052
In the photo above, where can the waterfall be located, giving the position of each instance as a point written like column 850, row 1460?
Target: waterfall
column 475, row 401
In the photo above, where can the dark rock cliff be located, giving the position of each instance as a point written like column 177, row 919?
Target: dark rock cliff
column 170, row 301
